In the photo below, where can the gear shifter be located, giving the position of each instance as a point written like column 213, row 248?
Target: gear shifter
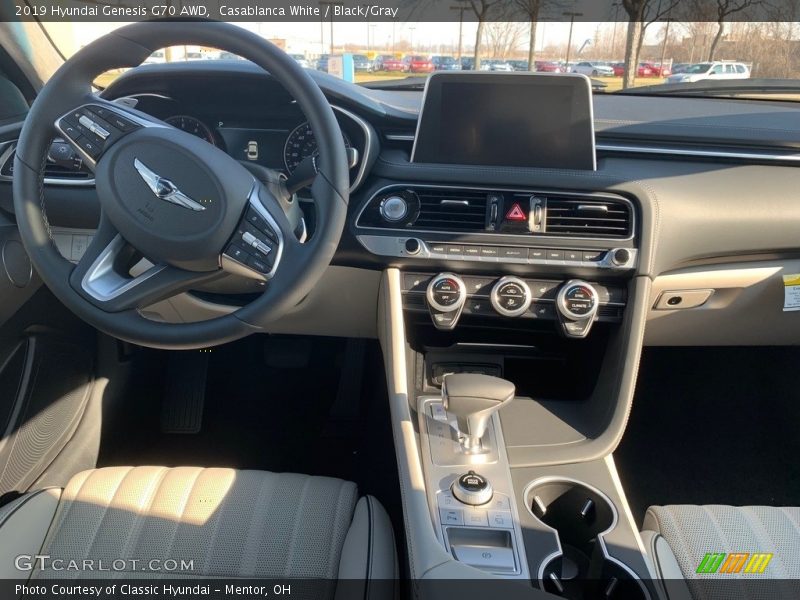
column 473, row 399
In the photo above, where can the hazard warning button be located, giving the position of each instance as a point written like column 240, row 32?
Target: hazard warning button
column 516, row 213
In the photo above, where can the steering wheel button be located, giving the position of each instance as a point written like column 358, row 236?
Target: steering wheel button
column 256, row 220
column 259, row 265
column 237, row 253
column 91, row 147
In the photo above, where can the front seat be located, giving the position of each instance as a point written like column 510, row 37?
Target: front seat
column 230, row 524
column 725, row 551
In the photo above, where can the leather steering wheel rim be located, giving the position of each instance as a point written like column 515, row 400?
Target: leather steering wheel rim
column 129, row 46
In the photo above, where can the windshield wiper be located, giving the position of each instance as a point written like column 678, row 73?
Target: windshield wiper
column 723, row 88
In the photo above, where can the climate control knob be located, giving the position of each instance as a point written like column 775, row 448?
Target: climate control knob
column 511, row 296
column 577, row 303
column 446, row 295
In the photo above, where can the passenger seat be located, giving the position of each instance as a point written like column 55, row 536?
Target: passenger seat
column 754, row 543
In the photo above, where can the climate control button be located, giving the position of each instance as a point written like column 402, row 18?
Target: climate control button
column 511, row 296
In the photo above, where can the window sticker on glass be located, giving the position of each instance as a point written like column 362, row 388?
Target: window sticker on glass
column 791, row 292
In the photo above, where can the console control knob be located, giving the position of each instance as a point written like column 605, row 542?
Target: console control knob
column 472, row 489
column 511, row 296
column 577, row 303
column 394, row 208
column 446, row 296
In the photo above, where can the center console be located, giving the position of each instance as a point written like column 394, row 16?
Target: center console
column 512, row 323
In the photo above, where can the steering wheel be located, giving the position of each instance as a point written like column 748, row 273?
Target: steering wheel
column 191, row 210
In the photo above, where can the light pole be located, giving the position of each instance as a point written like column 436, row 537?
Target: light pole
column 571, row 15
column 372, row 26
column 460, row 10
column 411, row 38
column 329, row 4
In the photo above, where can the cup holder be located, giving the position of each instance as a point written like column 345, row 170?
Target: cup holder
column 580, row 515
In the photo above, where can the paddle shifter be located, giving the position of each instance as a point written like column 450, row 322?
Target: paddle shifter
column 473, row 399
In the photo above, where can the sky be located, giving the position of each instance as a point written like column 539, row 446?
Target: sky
column 305, row 37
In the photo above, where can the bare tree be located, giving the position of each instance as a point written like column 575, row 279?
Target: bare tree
column 641, row 14
column 482, row 10
column 724, row 9
column 532, row 9
column 503, row 38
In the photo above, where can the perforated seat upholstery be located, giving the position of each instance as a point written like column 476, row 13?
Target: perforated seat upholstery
column 691, row 532
column 228, row 523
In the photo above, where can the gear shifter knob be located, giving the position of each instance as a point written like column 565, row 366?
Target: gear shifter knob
column 473, row 398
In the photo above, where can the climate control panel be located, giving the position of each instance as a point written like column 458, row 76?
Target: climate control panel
column 574, row 305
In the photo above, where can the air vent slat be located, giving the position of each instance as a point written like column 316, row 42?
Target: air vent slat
column 451, row 210
column 588, row 217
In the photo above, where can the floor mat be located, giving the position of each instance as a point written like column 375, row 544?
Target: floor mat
column 265, row 413
column 713, row 426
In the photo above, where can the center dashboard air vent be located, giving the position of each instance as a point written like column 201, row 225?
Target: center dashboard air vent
column 427, row 209
column 452, row 210
column 587, row 217
column 515, row 212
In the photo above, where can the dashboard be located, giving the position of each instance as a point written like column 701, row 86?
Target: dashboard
column 702, row 190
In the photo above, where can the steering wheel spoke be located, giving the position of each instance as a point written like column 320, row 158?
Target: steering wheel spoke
column 113, row 276
column 94, row 126
column 260, row 239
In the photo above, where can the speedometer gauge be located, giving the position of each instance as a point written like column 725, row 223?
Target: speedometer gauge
column 301, row 144
column 192, row 125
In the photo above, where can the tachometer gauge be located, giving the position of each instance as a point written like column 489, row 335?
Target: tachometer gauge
column 301, row 144
column 193, row 126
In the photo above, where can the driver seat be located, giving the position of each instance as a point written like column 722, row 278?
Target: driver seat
column 229, row 523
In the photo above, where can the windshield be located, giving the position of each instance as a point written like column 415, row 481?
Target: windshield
column 387, row 53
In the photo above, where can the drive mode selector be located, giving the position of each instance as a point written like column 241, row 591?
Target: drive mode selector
column 446, row 295
column 472, row 489
column 511, row 296
column 577, row 303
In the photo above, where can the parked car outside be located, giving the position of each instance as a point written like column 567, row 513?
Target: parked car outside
column 593, row 69
column 389, row 62
column 643, row 70
column 658, row 70
column 361, row 63
column 445, row 63
column 548, row 66
column 322, row 62
column 495, row 64
column 156, row 58
column 518, row 65
column 467, row 63
column 711, row 70
column 419, row 64
column 301, row 60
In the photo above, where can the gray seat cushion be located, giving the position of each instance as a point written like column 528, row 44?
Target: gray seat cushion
column 692, row 532
column 228, row 523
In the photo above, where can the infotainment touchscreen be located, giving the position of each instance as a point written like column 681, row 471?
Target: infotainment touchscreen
column 507, row 119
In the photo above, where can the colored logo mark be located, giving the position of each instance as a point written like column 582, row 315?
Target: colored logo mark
column 735, row 562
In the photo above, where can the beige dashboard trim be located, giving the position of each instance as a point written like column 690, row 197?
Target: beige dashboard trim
column 745, row 309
